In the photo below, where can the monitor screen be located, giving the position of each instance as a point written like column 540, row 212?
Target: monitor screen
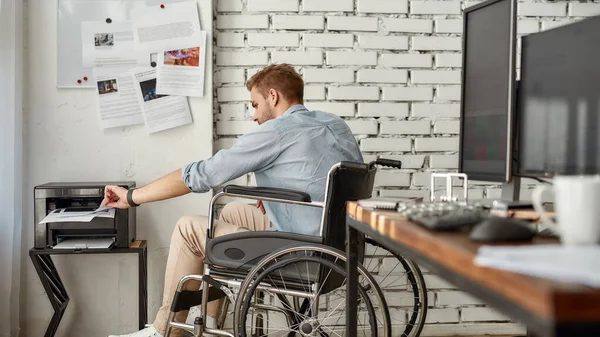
column 559, row 101
column 487, row 101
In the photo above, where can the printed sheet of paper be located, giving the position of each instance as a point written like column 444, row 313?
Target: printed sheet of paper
column 161, row 112
column 173, row 27
column 68, row 215
column 118, row 104
column 578, row 264
column 181, row 71
column 110, row 45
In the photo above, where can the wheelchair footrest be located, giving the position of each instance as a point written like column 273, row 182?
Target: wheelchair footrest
column 184, row 300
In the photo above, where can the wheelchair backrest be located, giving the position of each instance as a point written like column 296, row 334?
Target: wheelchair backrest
column 350, row 181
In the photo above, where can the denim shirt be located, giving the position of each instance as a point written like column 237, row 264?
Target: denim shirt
column 293, row 151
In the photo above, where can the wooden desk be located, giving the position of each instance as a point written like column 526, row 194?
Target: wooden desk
column 55, row 289
column 548, row 308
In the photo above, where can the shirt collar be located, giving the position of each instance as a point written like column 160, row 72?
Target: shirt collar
column 295, row 108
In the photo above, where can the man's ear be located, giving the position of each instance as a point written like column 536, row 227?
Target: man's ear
column 274, row 96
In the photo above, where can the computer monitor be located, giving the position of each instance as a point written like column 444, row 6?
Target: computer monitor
column 488, row 91
column 559, row 101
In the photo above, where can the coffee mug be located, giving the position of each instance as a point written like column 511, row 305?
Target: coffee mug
column 577, row 208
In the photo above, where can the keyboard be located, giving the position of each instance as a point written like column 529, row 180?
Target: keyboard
column 442, row 216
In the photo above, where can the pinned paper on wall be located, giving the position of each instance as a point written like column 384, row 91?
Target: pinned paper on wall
column 167, row 27
column 181, row 71
column 117, row 99
column 161, row 112
column 110, row 44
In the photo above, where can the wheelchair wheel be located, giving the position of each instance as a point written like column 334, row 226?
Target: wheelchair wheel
column 314, row 276
column 403, row 286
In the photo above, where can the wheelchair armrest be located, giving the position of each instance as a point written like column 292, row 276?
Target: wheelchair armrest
column 267, row 192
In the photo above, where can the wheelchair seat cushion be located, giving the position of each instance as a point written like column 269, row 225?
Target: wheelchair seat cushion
column 244, row 250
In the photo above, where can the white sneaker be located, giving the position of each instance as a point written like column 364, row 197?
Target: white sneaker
column 148, row 332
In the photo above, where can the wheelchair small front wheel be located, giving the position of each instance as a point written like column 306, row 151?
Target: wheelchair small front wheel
column 315, row 275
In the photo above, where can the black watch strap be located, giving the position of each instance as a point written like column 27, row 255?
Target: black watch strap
column 130, row 198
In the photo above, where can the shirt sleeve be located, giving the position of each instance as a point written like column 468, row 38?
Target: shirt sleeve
column 255, row 151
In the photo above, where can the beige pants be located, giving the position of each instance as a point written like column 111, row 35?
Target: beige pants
column 186, row 253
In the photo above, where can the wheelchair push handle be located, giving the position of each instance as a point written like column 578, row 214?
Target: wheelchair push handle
column 386, row 162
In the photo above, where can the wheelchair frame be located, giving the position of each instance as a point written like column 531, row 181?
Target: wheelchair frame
column 223, row 284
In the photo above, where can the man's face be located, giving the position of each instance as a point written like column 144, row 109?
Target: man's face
column 263, row 108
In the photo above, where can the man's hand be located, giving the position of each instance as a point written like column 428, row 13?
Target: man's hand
column 260, row 206
column 166, row 187
column 115, row 197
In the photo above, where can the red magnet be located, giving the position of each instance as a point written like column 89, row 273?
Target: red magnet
column 162, row 6
column 85, row 78
column 79, row 81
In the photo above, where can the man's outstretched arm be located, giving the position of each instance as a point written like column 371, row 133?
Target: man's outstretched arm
column 166, row 187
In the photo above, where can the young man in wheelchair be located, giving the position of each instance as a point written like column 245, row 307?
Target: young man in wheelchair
column 292, row 148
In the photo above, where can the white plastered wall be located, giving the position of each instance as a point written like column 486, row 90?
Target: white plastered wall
column 64, row 142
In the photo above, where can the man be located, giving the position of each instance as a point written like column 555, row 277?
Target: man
column 292, row 148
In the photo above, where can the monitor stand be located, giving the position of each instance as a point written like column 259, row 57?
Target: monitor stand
column 510, row 195
column 511, row 190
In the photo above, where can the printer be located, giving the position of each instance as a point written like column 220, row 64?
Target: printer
column 78, row 196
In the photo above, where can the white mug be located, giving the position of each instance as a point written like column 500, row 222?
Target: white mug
column 577, row 208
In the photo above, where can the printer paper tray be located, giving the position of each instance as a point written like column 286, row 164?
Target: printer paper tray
column 85, row 243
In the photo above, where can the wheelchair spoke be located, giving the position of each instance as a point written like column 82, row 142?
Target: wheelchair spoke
column 332, row 331
column 307, row 287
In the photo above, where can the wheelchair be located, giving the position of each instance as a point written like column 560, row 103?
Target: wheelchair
column 287, row 284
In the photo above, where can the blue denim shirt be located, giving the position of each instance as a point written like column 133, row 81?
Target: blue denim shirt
column 293, row 151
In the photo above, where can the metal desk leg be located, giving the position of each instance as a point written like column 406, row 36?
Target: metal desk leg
column 352, row 283
column 143, row 287
column 57, row 294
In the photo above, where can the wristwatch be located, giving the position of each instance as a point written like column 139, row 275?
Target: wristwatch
column 130, row 198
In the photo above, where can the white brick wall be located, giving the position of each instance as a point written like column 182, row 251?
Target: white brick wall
column 542, row 9
column 382, row 6
column 233, row 58
column 449, row 26
column 351, row 23
column 381, row 76
column 584, row 9
column 435, row 7
column 391, row 69
column 408, row 25
column 242, row 21
column 301, row 58
column 407, row 93
column 398, row 110
column 383, row 42
column 298, row 22
column 273, row 39
column 406, row 128
column 448, row 60
column 229, row 6
column 354, row 93
column 329, row 40
column 273, row 5
column 328, row 6
column 344, row 58
column 406, row 60
column 328, row 75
